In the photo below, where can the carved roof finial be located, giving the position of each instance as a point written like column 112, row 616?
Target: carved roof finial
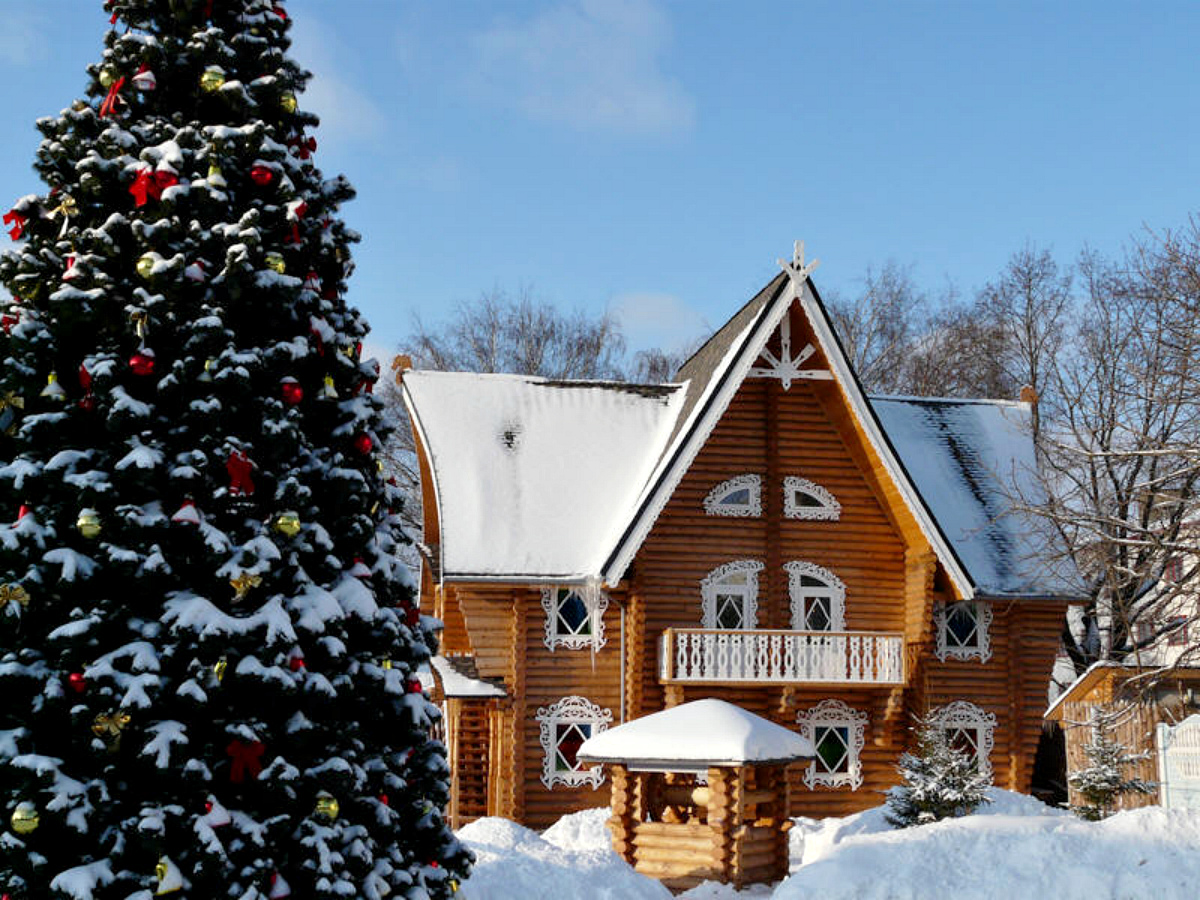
column 797, row 268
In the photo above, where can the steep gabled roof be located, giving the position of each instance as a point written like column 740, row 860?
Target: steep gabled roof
column 531, row 475
column 574, row 495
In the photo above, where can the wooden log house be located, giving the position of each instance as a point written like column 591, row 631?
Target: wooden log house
column 761, row 532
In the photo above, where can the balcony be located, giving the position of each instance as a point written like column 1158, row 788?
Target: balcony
column 708, row 656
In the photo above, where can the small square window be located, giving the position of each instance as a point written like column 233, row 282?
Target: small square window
column 963, row 630
column 570, row 622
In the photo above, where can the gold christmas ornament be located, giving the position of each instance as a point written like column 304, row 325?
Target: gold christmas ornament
column 53, row 390
column 107, row 77
column 206, row 375
column 275, row 261
column 215, row 178
column 243, row 583
column 328, row 391
column 288, row 102
column 109, row 727
column 25, row 818
column 145, row 264
column 213, row 79
column 88, row 523
column 327, row 806
column 219, row 668
column 386, row 665
column 14, row 595
column 287, row 523
column 170, row 879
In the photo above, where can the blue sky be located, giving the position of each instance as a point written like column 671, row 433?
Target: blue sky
column 656, row 158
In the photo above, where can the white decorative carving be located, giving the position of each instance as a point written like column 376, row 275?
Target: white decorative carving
column 564, row 726
column 964, row 722
column 972, row 639
column 731, row 591
column 786, row 367
column 840, row 731
column 811, row 603
column 589, row 632
column 718, row 504
column 826, row 509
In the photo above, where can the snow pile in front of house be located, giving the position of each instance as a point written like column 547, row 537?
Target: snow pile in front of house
column 573, row 858
column 1013, row 848
column 707, row 731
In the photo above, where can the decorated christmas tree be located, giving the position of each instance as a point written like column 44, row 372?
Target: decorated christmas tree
column 209, row 653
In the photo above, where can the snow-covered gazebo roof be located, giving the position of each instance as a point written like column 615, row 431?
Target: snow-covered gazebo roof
column 694, row 736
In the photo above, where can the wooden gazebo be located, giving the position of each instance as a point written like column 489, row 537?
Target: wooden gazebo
column 699, row 793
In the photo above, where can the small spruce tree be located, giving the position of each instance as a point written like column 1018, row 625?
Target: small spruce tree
column 940, row 781
column 1102, row 782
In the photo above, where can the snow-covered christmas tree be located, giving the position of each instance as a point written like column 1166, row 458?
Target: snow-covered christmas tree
column 1103, row 781
column 209, row 652
column 939, row 781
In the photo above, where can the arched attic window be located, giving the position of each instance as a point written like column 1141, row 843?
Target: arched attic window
column 738, row 496
column 804, row 499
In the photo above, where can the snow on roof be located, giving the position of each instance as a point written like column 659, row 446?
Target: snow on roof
column 970, row 460
column 456, row 684
column 535, row 478
column 696, row 735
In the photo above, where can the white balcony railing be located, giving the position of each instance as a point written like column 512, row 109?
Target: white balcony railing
column 781, row 657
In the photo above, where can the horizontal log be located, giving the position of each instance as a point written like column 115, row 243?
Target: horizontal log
column 657, row 869
column 682, row 857
column 672, row 830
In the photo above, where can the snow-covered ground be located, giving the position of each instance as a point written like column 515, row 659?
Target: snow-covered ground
column 1013, row 849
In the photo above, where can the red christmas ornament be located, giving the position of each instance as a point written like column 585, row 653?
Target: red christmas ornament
column 239, row 467
column 291, row 390
column 247, row 759
column 142, row 362
column 17, row 221
column 279, row 11
column 144, row 80
column 383, row 798
column 70, row 272
column 7, row 322
column 150, row 185
column 302, row 146
column 364, row 444
column 414, row 686
column 261, row 175
column 22, row 512
column 208, row 807
column 186, row 514
column 296, row 663
column 76, row 682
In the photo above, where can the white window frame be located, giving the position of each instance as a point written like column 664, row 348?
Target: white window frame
column 835, row 714
column 715, row 505
column 829, row 509
column 962, row 715
column 834, row 590
column 573, row 710
column 552, row 600
column 947, row 646
column 713, row 585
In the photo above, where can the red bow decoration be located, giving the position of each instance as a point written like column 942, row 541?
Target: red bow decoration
column 150, row 185
column 239, row 467
column 247, row 759
column 279, row 11
column 302, row 146
column 17, row 221
column 109, row 106
column 88, row 403
column 7, row 322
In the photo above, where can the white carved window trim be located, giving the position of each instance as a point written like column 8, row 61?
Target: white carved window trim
column 834, row 590
column 833, row 714
column 713, row 586
column 827, row 510
column 570, row 711
column 948, row 646
column 559, row 634
column 962, row 715
column 716, row 505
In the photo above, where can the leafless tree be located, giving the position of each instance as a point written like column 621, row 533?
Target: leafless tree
column 880, row 327
column 1120, row 447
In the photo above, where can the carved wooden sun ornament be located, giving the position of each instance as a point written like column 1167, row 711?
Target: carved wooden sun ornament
column 786, row 366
